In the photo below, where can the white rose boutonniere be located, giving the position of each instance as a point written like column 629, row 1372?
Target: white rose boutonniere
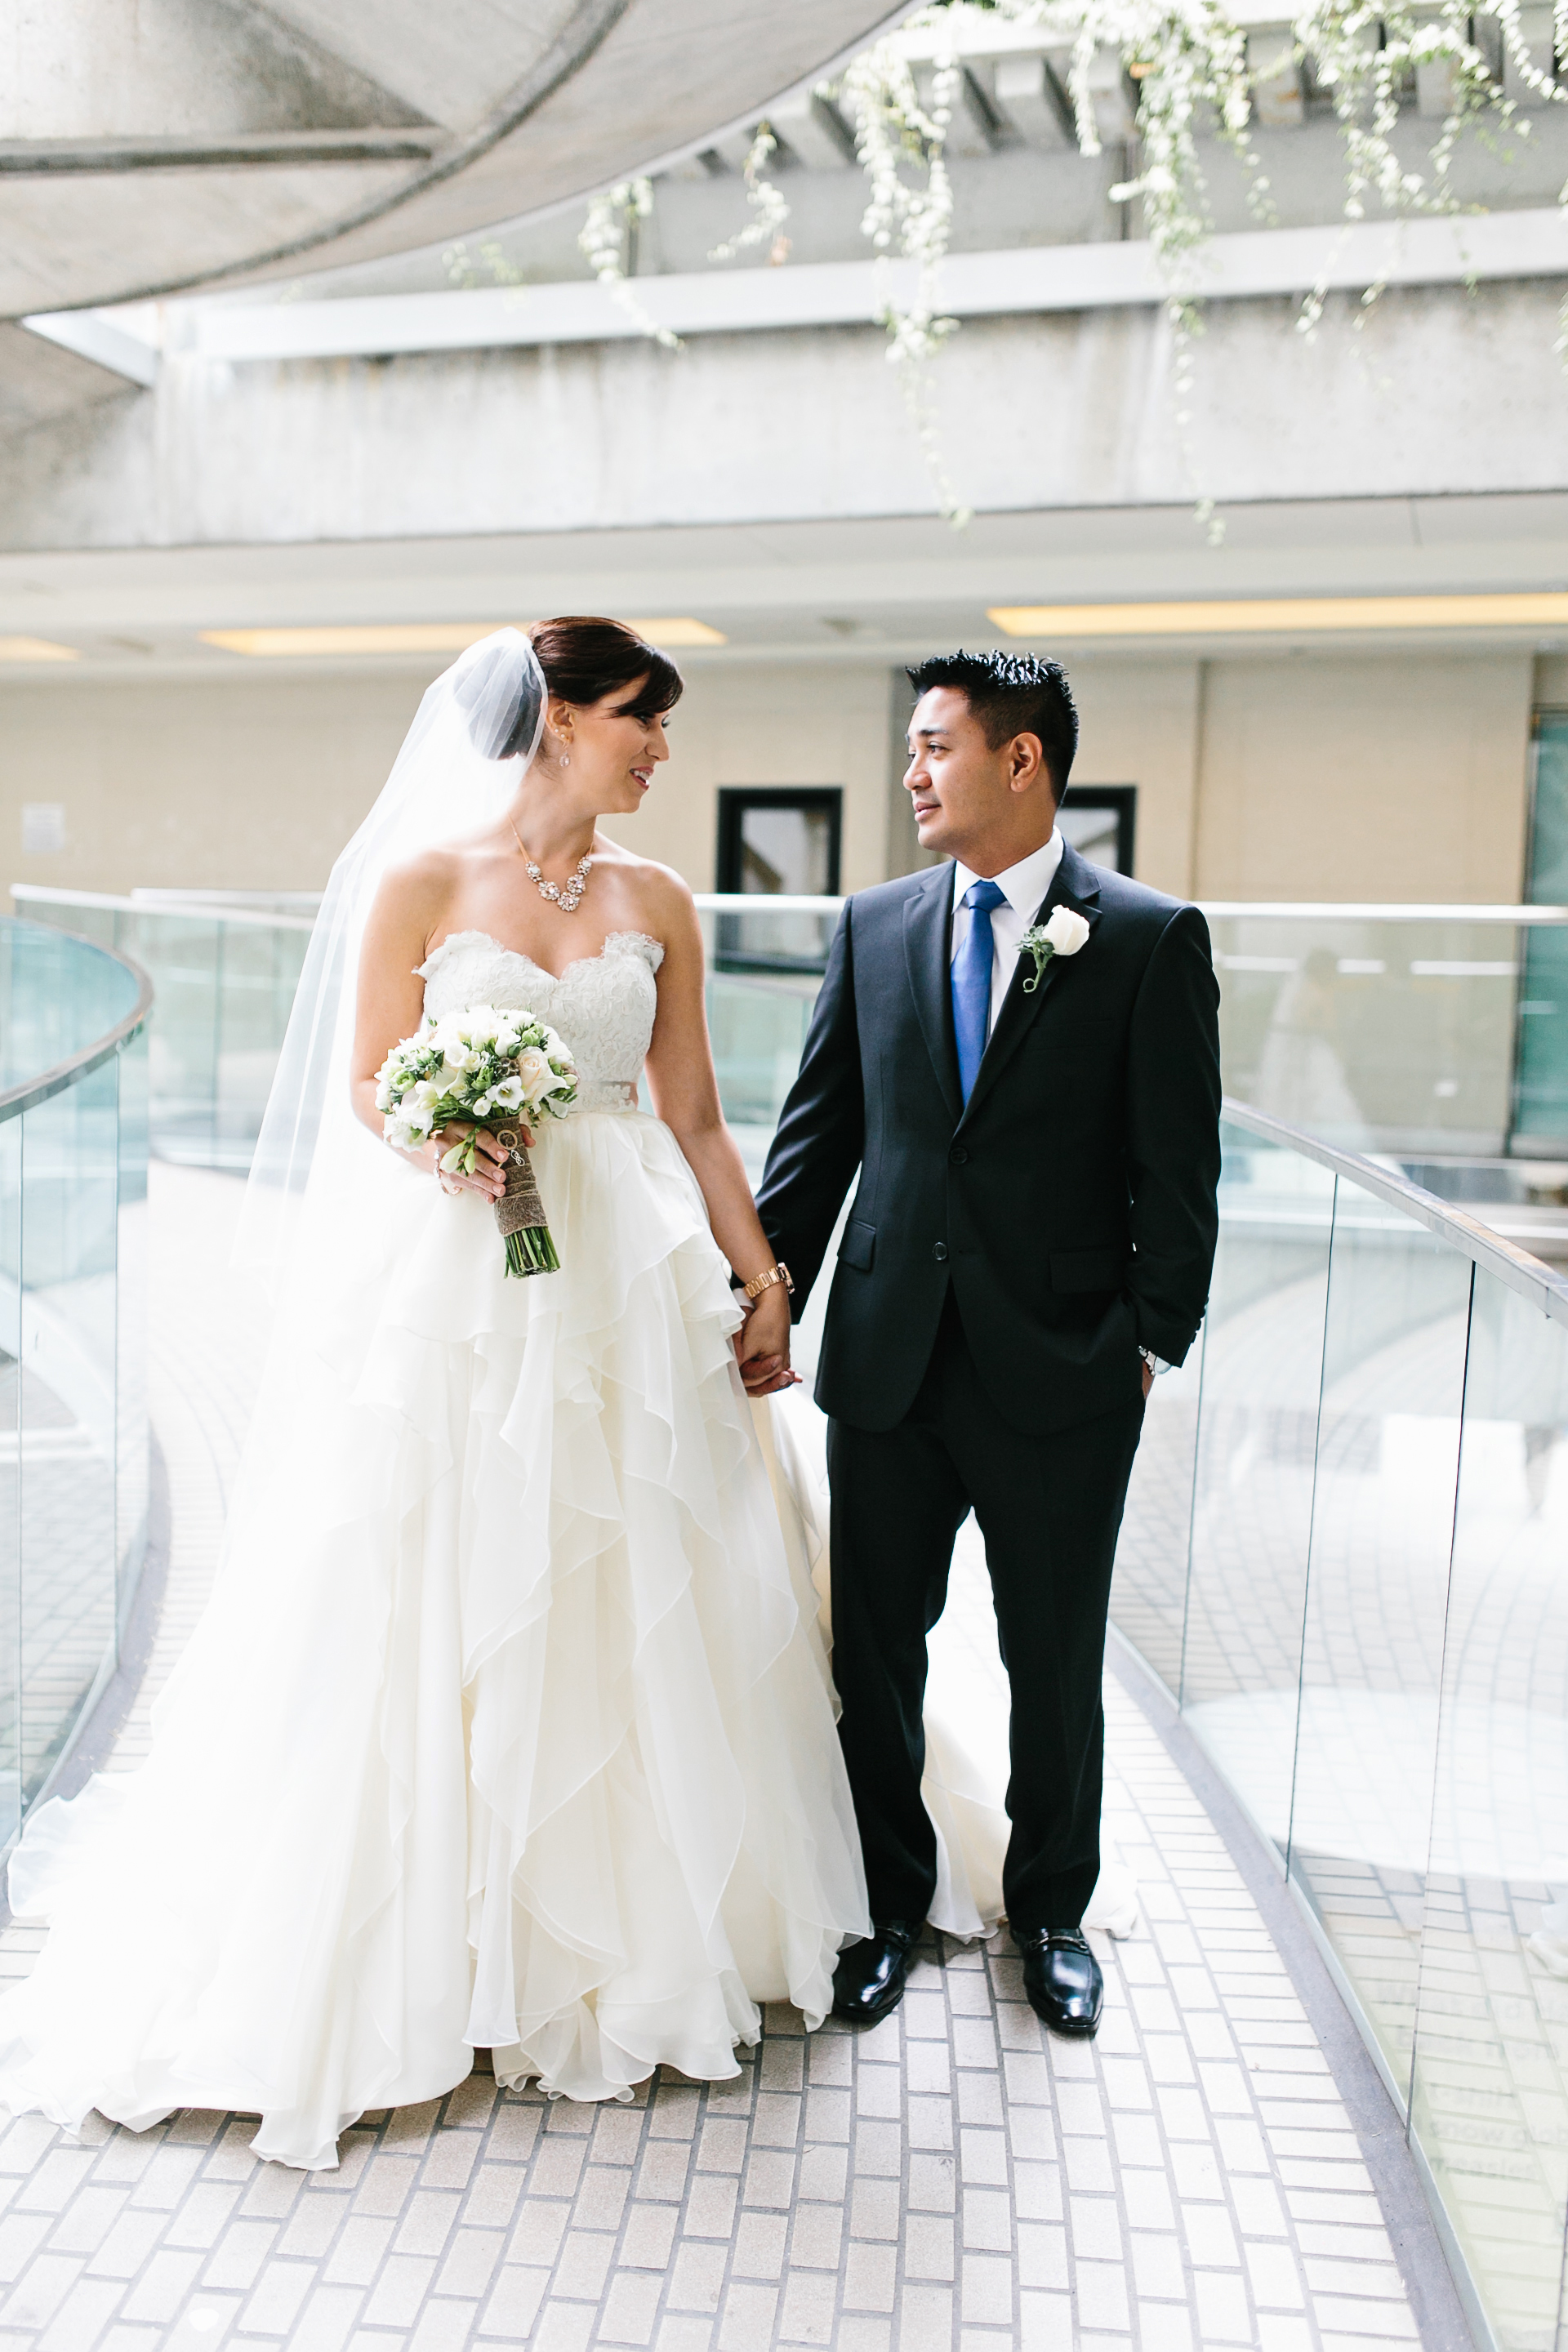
column 1062, row 933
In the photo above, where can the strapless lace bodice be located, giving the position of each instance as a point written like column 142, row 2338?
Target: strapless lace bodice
column 602, row 1005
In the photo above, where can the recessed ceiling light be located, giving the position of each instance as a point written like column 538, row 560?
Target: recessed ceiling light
column 37, row 649
column 678, row 633
column 1268, row 614
column 376, row 637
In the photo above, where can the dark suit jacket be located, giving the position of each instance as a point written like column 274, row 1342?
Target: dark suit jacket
column 1070, row 1204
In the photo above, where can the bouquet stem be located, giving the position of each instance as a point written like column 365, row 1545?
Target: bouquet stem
column 532, row 1251
column 519, row 1214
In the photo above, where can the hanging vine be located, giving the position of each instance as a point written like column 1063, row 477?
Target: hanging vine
column 1189, row 79
column 897, row 133
column 768, row 204
column 613, row 221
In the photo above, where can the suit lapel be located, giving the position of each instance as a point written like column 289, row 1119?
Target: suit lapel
column 927, row 934
column 1074, row 884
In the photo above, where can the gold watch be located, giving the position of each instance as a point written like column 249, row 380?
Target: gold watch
column 780, row 1272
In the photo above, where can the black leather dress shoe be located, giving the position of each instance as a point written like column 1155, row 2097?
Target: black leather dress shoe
column 868, row 1982
column 1062, row 1979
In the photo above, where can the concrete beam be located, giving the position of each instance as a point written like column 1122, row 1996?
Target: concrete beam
column 1044, row 278
column 1457, row 393
column 100, row 340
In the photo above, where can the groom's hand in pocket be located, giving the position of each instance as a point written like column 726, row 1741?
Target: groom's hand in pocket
column 762, row 1345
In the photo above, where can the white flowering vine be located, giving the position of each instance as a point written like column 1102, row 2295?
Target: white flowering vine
column 766, row 201
column 1175, row 72
column 488, row 264
column 900, row 139
column 612, row 222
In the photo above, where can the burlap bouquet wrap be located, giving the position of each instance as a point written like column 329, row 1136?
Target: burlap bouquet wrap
column 520, row 1213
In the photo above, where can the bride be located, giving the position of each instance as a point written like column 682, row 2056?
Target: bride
column 508, row 1725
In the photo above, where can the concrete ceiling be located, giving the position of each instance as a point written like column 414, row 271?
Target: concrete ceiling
column 877, row 589
column 183, row 143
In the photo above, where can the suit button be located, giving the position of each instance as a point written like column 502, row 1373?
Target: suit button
column 939, row 1251
column 957, row 1156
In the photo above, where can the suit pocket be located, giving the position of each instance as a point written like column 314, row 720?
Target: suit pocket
column 859, row 1246
column 1079, row 1270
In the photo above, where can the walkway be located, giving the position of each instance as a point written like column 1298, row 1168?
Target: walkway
column 953, row 2179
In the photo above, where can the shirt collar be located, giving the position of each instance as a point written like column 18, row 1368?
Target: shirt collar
column 1022, row 886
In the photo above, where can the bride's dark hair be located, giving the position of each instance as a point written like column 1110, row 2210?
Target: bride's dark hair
column 582, row 660
column 585, row 660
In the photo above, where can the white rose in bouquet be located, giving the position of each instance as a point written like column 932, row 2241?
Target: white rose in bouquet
column 460, row 1071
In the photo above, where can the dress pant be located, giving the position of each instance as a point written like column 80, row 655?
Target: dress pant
column 1049, row 1508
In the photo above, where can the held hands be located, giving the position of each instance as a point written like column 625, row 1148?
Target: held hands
column 762, row 1345
column 488, row 1177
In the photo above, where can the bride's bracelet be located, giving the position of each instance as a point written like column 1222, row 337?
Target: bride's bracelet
column 759, row 1283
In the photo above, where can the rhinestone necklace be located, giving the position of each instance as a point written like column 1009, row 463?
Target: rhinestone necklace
column 570, row 898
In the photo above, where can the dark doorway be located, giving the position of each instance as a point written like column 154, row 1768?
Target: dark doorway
column 1100, row 821
column 776, row 843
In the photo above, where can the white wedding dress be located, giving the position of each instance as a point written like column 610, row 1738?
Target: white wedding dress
column 508, row 1725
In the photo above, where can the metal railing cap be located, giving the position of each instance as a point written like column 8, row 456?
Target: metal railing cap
column 80, row 1065
column 1330, row 910
column 205, row 911
column 1492, row 1251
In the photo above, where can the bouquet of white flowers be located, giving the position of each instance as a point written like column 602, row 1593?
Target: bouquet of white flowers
column 474, row 1066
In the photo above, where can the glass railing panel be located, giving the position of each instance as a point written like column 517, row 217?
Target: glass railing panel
column 1383, row 1519
column 224, row 983
column 1376, row 1034
column 70, row 1193
column 259, row 966
column 1541, row 1082
column 184, row 958
column 1149, row 1591
column 132, row 1463
column 10, row 1478
column 758, row 1027
column 771, row 941
column 55, row 999
column 1252, row 1506
column 1490, row 2105
column 1540, row 1091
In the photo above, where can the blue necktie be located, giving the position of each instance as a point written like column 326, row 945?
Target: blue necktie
column 972, row 982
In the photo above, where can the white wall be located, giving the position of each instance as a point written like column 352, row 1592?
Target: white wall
column 1140, row 724
column 243, row 783
column 1387, row 774
column 258, row 783
column 772, row 724
column 1398, row 775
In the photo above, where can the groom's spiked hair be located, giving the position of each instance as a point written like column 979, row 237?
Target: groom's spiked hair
column 1011, row 694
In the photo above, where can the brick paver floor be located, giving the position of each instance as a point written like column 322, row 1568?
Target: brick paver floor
column 952, row 2179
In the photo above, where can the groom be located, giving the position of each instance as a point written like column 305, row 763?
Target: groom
column 1029, row 1243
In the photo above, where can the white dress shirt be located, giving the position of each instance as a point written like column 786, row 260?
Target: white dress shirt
column 1023, row 885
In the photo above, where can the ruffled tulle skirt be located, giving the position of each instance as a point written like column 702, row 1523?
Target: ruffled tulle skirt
column 509, row 1724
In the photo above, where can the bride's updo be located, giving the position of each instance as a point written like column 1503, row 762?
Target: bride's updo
column 580, row 660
